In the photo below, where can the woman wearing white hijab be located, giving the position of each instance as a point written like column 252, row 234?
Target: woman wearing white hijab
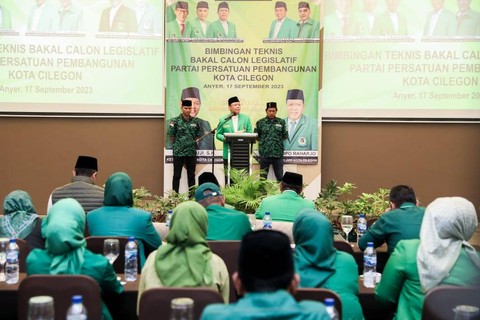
column 442, row 256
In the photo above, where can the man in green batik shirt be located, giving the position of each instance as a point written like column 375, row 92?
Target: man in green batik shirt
column 183, row 132
column 307, row 27
column 272, row 131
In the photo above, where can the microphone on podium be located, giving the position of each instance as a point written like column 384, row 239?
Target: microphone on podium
column 230, row 116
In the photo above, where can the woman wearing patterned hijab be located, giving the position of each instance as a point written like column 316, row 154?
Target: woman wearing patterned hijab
column 20, row 219
column 186, row 260
column 442, row 256
column 66, row 251
column 320, row 265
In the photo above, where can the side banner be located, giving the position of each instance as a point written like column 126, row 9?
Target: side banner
column 241, row 51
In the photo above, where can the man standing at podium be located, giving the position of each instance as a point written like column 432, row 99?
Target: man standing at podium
column 234, row 122
column 183, row 132
column 272, row 131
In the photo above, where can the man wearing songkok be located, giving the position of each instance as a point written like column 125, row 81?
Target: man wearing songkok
column 223, row 223
column 283, row 27
column 266, row 279
column 193, row 94
column 402, row 222
column 222, row 28
column 302, row 130
column 199, row 25
column 442, row 256
column 272, row 132
column 468, row 20
column 179, row 28
column 183, row 132
column 307, row 27
column 285, row 206
column 233, row 122
column 82, row 186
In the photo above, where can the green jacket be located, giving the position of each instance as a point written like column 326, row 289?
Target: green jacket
column 469, row 25
column 400, row 224
column 305, row 137
column 118, row 218
column 6, row 18
column 284, row 206
column 400, row 282
column 216, row 30
column 94, row 265
column 226, row 224
column 288, row 29
column 269, row 305
column 196, row 30
column 383, row 25
column 244, row 124
column 309, row 29
column 173, row 30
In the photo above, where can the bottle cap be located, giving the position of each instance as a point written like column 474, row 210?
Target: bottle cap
column 77, row 299
column 362, row 215
column 267, row 213
column 329, row 302
column 13, row 240
column 170, row 211
column 370, row 244
column 131, row 238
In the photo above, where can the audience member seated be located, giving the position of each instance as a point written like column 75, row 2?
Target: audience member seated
column 285, row 206
column 223, row 223
column 266, row 280
column 118, row 218
column 401, row 223
column 186, row 260
column 442, row 256
column 66, row 251
column 82, row 187
column 20, row 220
column 320, row 265
column 207, row 177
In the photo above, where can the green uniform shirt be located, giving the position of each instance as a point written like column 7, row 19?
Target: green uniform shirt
column 185, row 132
column 401, row 283
column 271, row 133
column 226, row 224
column 400, row 224
column 309, row 29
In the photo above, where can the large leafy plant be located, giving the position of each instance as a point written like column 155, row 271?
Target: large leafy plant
column 156, row 205
column 247, row 190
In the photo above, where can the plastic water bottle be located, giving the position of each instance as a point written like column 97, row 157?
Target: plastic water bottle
column 330, row 307
column 168, row 219
column 369, row 266
column 361, row 226
column 77, row 310
column 131, row 256
column 12, row 269
column 267, row 221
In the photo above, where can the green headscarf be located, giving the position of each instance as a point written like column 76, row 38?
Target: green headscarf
column 118, row 191
column 63, row 229
column 19, row 215
column 314, row 253
column 186, row 259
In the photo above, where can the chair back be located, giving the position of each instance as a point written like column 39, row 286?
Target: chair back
column 319, row 294
column 228, row 251
column 155, row 302
column 61, row 288
column 440, row 301
column 344, row 246
column 24, row 250
column 95, row 244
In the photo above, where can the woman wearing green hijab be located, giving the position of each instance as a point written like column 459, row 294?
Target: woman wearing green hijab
column 20, row 219
column 66, row 251
column 186, row 260
column 320, row 265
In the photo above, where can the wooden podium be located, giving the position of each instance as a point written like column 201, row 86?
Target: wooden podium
column 240, row 151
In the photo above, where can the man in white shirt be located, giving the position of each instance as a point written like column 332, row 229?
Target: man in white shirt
column 222, row 28
column 282, row 27
column 118, row 18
